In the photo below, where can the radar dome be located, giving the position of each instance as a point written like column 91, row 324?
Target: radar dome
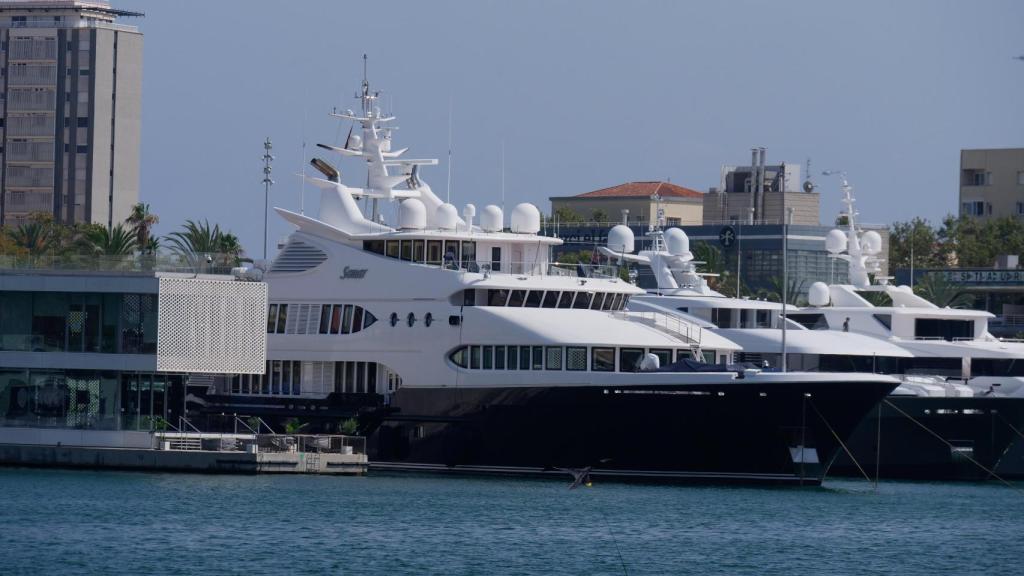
column 835, row 241
column 677, row 242
column 525, row 219
column 491, row 219
column 871, row 242
column 468, row 212
column 817, row 294
column 620, row 239
column 447, row 216
column 412, row 214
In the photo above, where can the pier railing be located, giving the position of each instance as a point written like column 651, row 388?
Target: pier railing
column 280, row 443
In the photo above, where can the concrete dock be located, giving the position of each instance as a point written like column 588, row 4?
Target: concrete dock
column 183, row 452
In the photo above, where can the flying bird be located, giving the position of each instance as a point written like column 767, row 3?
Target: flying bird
column 1018, row 58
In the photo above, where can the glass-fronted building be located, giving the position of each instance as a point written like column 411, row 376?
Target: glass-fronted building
column 119, row 351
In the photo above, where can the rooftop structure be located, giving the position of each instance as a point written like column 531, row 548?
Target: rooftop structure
column 761, row 193
column 635, row 202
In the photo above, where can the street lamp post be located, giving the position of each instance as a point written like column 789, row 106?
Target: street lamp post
column 267, row 183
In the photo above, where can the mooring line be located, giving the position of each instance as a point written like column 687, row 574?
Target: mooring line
column 838, row 439
column 944, row 441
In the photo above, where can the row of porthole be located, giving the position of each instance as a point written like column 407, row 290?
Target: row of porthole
column 410, row 319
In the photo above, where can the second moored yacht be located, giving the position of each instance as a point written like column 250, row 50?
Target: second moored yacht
column 956, row 379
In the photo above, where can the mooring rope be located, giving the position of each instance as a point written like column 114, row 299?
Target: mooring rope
column 838, row 439
column 944, row 441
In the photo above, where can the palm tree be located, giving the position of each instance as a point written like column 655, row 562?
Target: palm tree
column 941, row 292
column 35, row 237
column 117, row 241
column 231, row 247
column 197, row 238
column 793, row 290
column 141, row 221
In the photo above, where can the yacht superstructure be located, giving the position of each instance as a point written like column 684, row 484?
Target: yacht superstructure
column 459, row 345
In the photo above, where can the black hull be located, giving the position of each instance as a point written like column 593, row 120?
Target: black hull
column 979, row 428
column 738, row 432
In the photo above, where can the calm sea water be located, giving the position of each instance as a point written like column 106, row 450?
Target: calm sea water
column 72, row 522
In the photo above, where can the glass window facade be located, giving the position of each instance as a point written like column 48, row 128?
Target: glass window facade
column 89, row 400
column 73, row 322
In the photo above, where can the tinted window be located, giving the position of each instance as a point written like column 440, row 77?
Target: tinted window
column 602, row 359
column 534, row 298
column 550, row 299
column 565, row 301
column 517, row 298
column 497, row 297
column 629, row 359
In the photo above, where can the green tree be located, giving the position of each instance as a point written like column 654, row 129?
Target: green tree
column 141, row 221
column 915, row 237
column 941, row 292
column 599, row 215
column 794, row 288
column 117, row 241
column 34, row 237
column 200, row 239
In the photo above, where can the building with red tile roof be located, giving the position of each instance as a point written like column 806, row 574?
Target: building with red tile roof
column 681, row 205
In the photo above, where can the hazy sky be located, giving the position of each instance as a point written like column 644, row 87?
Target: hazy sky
column 583, row 94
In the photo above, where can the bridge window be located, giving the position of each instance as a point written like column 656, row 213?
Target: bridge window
column 582, row 300
column 810, row 321
column 629, row 359
column 937, row 328
column 534, row 298
column 434, row 252
column 565, row 301
column 602, row 359
column 497, row 297
column 517, row 298
column 550, row 299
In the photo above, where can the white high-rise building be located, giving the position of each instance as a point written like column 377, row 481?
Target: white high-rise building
column 71, row 110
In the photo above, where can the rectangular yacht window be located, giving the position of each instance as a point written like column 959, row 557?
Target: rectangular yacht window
column 513, row 357
column 488, row 363
column 602, row 359
column 282, row 318
column 375, row 246
column 664, row 356
column 550, row 299
column 598, row 300
column 534, row 298
column 517, row 298
column 496, row 259
column 271, row 318
column 336, row 318
column 608, row 300
column 451, row 254
column 565, row 301
column 499, row 357
column 434, row 252
column 576, row 358
column 469, row 297
column 582, row 300
column 325, row 319
column 629, row 359
column 538, row 357
column 497, row 297
column 357, row 318
column 469, row 256
column 417, row 250
column 553, row 358
column 286, row 377
column 391, row 249
column 474, row 357
column 346, row 320
column 406, row 250
column 524, row 357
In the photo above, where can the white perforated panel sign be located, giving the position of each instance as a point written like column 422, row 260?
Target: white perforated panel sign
column 211, row 326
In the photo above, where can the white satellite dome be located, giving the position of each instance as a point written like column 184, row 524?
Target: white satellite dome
column 492, row 219
column 469, row 212
column 412, row 215
column 525, row 219
column 447, row 216
column 817, row 294
column 871, row 242
column 620, row 239
column 835, row 241
column 677, row 242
